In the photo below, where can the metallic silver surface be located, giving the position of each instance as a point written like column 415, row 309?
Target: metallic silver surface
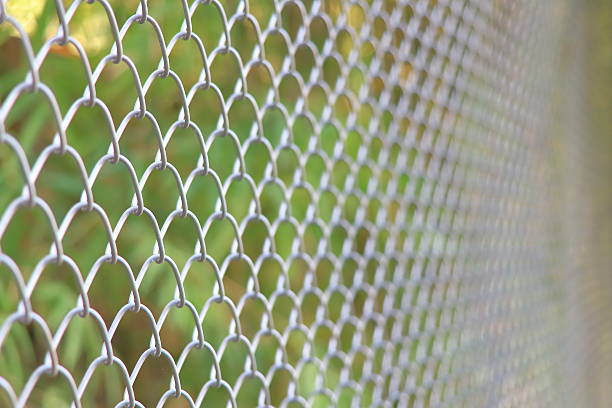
column 435, row 204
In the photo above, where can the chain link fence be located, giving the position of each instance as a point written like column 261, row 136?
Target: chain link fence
column 310, row 203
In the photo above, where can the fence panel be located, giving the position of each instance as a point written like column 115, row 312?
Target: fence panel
column 305, row 203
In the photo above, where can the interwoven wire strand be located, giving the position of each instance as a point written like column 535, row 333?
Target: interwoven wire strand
column 301, row 203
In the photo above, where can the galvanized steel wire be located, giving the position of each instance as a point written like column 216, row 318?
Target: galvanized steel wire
column 408, row 205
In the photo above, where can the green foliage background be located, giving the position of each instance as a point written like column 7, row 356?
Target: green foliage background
column 28, row 238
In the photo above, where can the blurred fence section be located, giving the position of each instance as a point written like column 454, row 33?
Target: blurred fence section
column 307, row 203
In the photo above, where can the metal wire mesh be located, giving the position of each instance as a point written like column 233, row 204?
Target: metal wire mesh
column 302, row 203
